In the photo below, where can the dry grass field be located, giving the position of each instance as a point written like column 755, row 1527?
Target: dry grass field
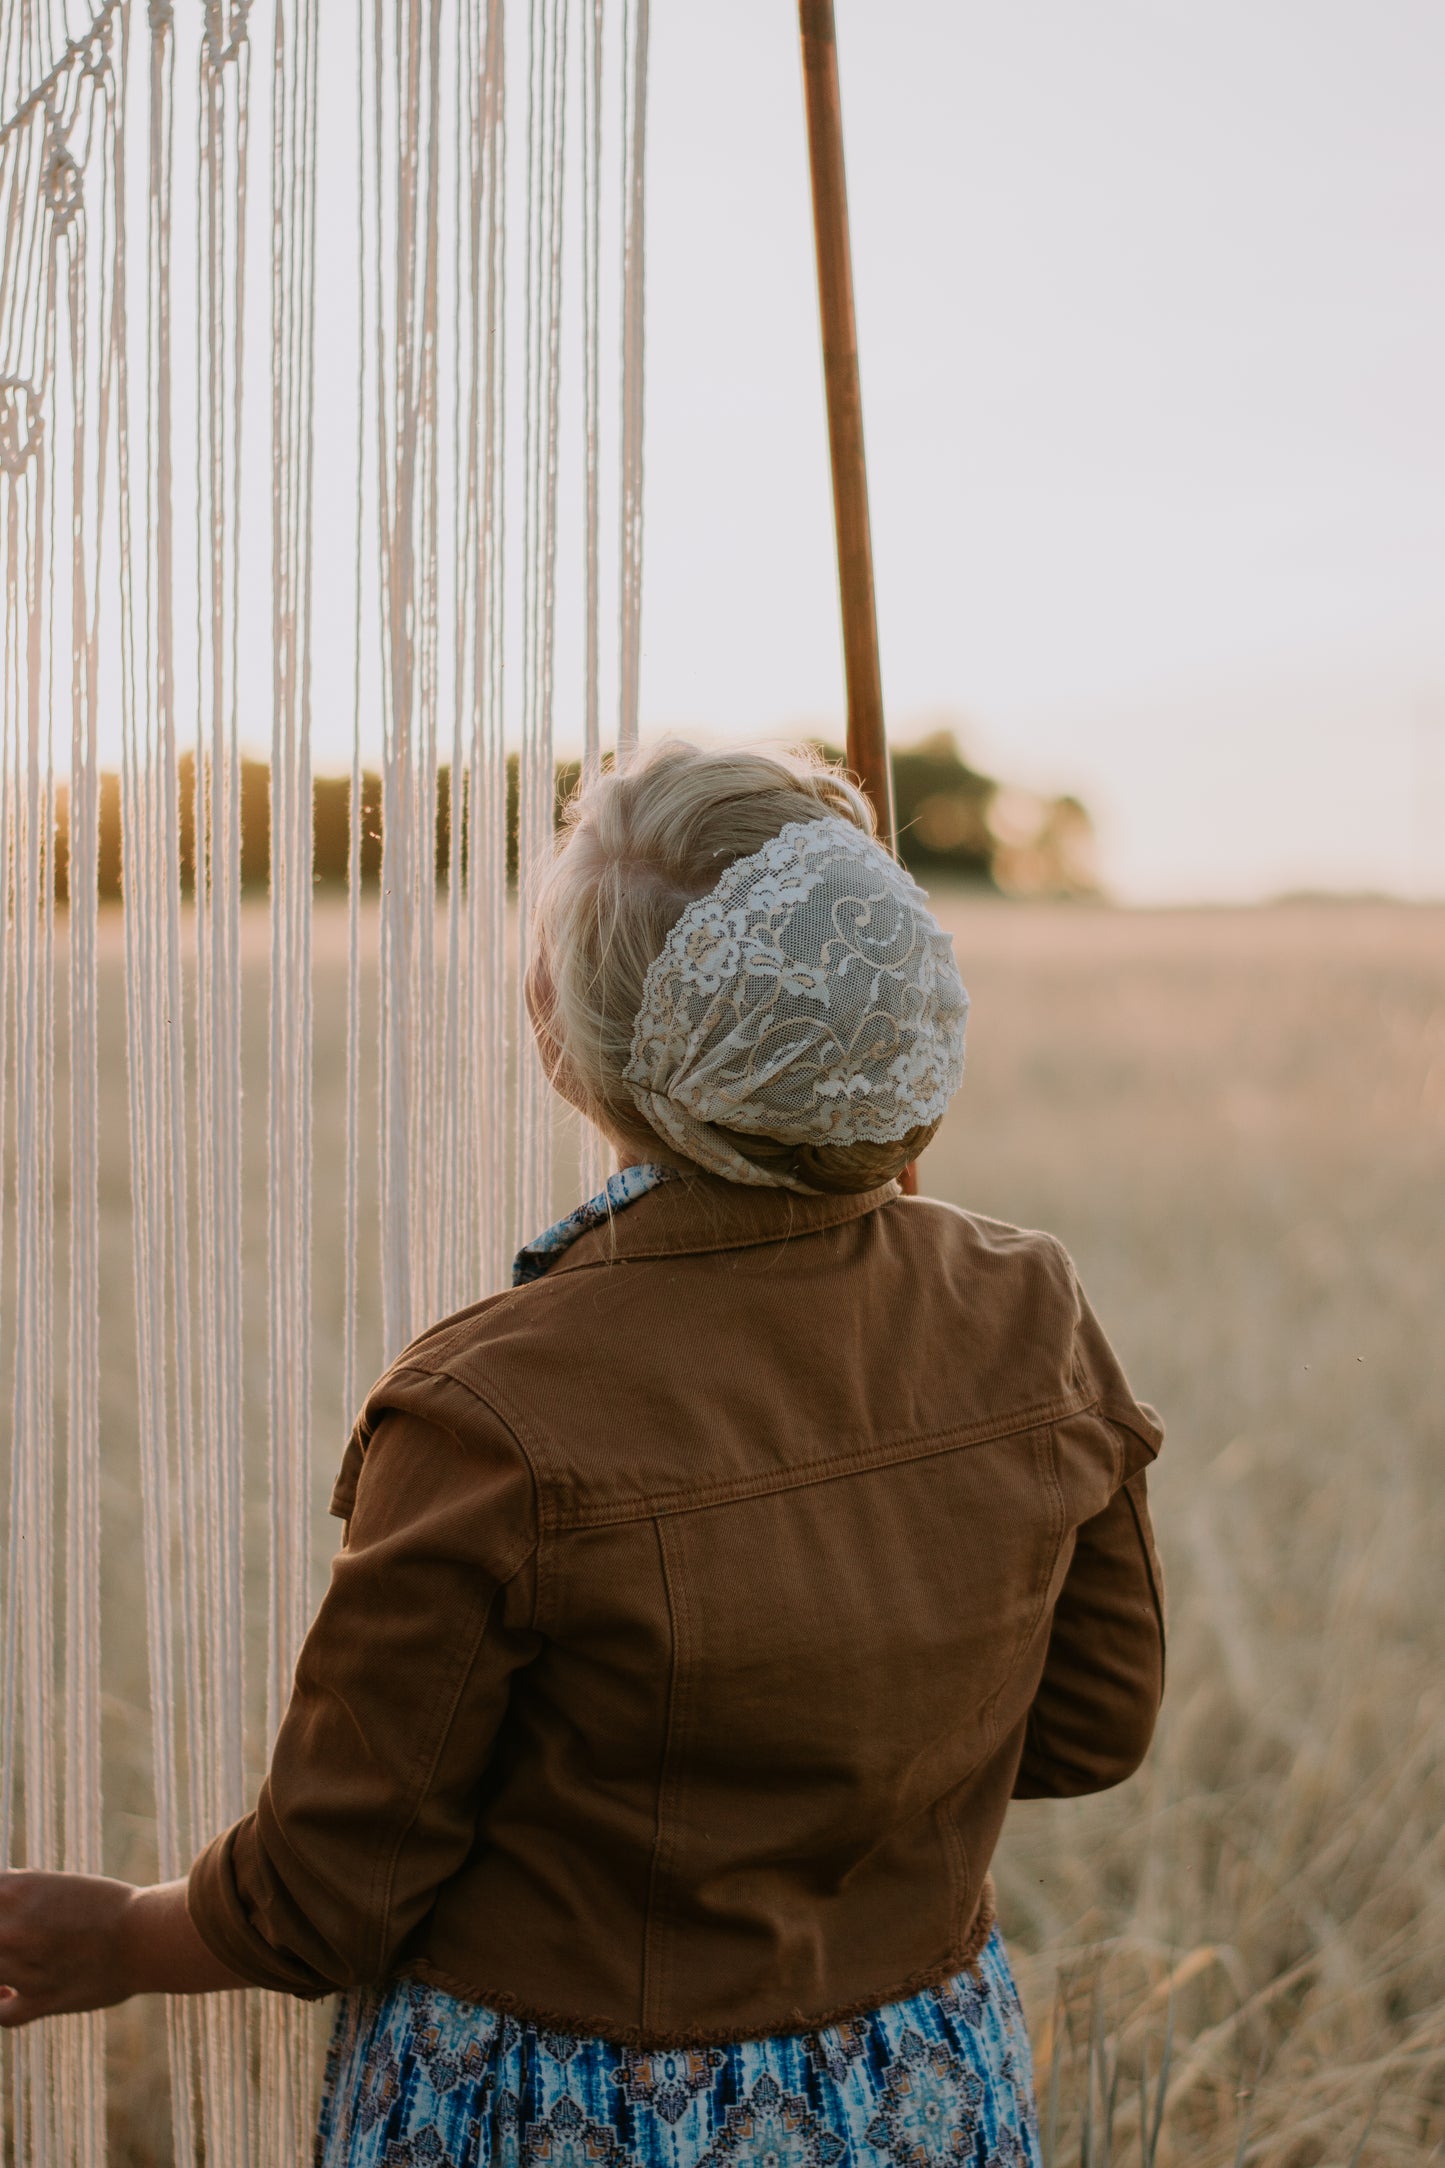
column 1236, row 1120
column 1237, row 1123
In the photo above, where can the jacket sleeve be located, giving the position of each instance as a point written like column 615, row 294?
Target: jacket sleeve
column 370, row 1802
column 1092, row 1717
column 1094, row 1710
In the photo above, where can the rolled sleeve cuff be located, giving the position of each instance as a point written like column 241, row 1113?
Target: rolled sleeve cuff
column 233, row 1931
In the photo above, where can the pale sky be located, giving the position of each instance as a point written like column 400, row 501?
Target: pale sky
column 1152, row 316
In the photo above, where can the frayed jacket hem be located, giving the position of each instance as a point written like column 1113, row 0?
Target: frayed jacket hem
column 661, row 2038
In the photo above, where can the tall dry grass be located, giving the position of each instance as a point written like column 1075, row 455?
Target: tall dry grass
column 1237, row 1122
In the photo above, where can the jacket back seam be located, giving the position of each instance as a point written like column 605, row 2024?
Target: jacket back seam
column 956, row 1853
column 654, row 1962
column 925, row 1445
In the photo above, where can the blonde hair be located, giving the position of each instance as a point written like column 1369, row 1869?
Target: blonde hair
column 636, row 846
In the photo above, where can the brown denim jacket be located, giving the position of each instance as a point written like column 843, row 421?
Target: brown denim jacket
column 701, row 1608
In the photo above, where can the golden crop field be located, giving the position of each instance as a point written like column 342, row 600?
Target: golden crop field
column 1236, row 1120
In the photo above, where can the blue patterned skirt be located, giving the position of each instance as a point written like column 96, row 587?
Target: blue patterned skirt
column 943, row 2080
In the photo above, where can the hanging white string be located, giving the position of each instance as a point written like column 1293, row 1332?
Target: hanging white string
column 470, row 1233
column 55, row 137
column 440, row 1174
column 83, row 2058
column 466, row 1116
column 634, row 125
column 593, row 1156
column 405, row 416
column 158, row 1068
column 283, row 2133
column 28, row 527
column 592, row 360
column 488, row 815
column 222, row 158
column 546, row 140
column 350, row 1379
column 153, row 1168
column 424, row 1081
column 453, row 1080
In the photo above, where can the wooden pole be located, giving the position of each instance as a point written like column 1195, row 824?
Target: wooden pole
column 867, row 739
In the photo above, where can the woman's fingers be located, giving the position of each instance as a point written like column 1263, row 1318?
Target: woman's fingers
column 61, row 1943
column 20, row 1937
column 19, row 1947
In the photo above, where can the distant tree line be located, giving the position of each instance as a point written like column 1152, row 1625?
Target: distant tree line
column 958, row 824
column 954, row 823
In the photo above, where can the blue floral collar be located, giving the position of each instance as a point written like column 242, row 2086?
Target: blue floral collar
column 619, row 1191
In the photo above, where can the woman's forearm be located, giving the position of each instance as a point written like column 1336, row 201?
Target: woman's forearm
column 165, row 1954
column 83, row 1942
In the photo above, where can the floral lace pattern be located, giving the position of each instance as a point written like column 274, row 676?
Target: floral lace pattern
column 942, row 2080
column 810, row 997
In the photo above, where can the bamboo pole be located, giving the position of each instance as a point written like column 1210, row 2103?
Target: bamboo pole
column 867, row 738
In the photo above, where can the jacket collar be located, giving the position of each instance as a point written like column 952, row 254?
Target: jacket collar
column 693, row 1213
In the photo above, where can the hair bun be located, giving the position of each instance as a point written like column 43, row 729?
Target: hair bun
column 738, row 969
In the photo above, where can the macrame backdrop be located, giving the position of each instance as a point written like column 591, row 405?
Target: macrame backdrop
column 146, row 402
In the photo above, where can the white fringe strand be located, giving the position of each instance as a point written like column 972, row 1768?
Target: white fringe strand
column 141, row 383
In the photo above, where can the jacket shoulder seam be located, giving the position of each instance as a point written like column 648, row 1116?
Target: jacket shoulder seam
column 539, row 1495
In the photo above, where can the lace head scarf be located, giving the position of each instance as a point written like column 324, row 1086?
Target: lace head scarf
column 810, row 997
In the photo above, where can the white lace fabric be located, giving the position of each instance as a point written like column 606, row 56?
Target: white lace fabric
column 810, row 997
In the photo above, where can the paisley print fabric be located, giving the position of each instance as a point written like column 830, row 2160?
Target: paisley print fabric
column 620, row 1190
column 942, row 2080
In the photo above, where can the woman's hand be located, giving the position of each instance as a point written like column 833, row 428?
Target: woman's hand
column 83, row 1942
